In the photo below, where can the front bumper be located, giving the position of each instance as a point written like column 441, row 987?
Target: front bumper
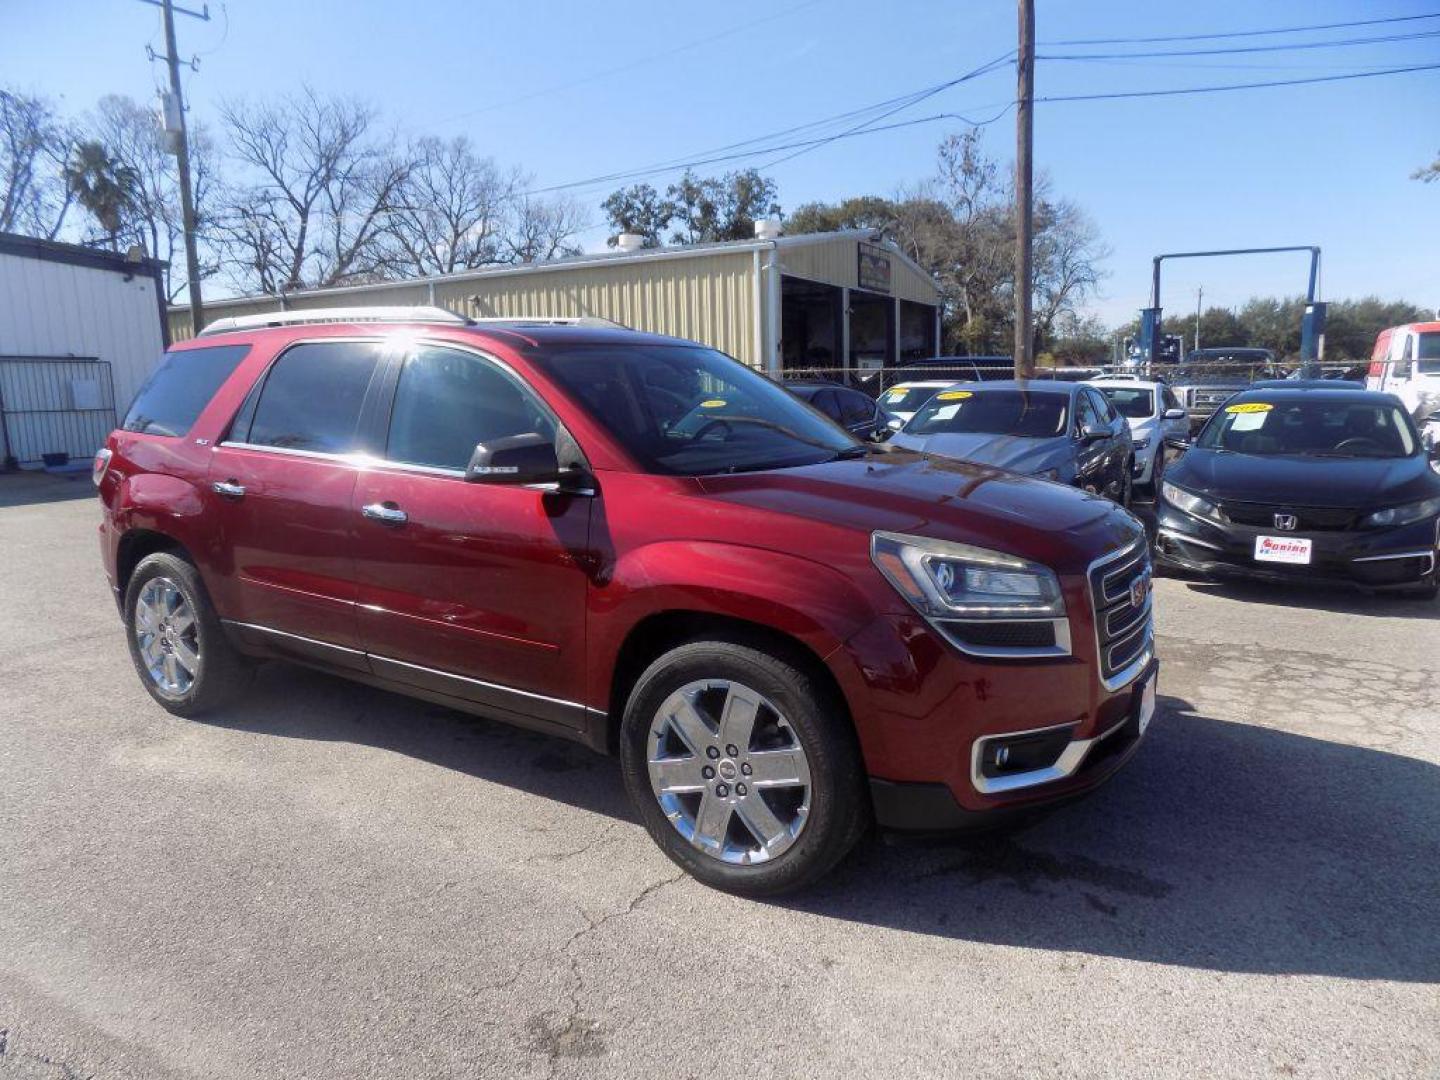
column 932, row 718
column 921, row 807
column 1377, row 559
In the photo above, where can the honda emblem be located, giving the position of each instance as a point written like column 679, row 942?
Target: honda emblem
column 1286, row 522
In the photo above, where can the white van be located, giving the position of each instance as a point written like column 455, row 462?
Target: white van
column 1406, row 363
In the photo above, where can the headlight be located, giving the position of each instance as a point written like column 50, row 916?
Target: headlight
column 1141, row 444
column 1185, row 501
column 944, row 580
column 1404, row 515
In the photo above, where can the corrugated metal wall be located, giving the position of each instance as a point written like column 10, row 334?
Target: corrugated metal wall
column 707, row 298
column 836, row 262
column 58, row 309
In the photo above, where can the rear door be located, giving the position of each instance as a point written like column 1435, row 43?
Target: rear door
column 280, row 488
column 473, row 590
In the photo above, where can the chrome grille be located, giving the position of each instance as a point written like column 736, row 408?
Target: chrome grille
column 1123, row 627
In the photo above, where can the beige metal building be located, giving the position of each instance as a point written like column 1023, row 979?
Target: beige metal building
column 833, row 301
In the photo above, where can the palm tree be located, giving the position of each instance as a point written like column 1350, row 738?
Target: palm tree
column 103, row 184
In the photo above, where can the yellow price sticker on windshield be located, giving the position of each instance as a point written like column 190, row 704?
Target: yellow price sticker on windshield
column 1250, row 407
column 954, row 395
column 713, row 403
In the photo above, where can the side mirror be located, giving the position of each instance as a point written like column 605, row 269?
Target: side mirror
column 1177, row 445
column 1175, row 414
column 519, row 459
column 1092, row 432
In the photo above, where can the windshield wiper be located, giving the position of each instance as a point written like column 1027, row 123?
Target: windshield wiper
column 772, row 425
column 859, row 450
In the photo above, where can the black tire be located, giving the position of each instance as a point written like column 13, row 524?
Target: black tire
column 839, row 811
column 222, row 670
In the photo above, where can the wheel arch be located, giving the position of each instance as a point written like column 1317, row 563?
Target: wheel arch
column 662, row 631
column 137, row 544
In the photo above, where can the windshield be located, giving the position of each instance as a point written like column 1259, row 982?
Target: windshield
column 688, row 410
column 1313, row 428
column 1130, row 402
column 1036, row 415
column 907, row 399
column 1428, row 357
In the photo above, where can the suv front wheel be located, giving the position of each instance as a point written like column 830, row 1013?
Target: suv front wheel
column 176, row 641
column 743, row 768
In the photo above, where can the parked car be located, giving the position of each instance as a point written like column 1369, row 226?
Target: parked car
column 640, row 544
column 854, row 410
column 1154, row 415
column 1210, row 377
column 1308, row 485
column 1406, row 363
column 902, row 399
column 1066, row 432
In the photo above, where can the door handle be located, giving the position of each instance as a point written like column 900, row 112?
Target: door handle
column 389, row 513
column 228, row 488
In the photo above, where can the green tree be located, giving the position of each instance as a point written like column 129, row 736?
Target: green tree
column 103, row 184
column 641, row 210
column 702, row 210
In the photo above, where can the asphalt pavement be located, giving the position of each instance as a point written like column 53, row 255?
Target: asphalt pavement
column 333, row 882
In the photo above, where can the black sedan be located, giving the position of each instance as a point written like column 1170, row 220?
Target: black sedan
column 854, row 410
column 1058, row 431
column 1309, row 484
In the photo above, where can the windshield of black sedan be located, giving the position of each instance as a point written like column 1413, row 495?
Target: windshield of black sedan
column 688, row 411
column 1028, row 413
column 1311, row 427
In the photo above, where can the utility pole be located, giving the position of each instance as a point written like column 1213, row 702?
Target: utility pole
column 175, row 123
column 1024, row 190
column 1199, row 296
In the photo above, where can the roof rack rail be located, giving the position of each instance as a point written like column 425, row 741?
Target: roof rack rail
column 546, row 320
column 396, row 314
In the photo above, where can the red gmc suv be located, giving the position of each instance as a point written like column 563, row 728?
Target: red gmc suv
column 641, row 544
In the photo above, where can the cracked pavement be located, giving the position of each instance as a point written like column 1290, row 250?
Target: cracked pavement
column 331, row 881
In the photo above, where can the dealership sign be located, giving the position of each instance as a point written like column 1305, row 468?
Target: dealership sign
column 874, row 269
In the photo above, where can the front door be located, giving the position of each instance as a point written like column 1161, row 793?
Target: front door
column 280, row 487
column 474, row 590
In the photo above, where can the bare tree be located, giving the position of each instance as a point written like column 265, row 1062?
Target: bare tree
column 540, row 229
column 450, row 211
column 34, row 147
column 319, row 185
column 152, row 218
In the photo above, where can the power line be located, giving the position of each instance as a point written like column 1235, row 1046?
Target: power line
column 640, row 62
column 1239, row 86
column 1242, row 33
column 1238, row 49
column 722, row 153
column 875, row 130
column 868, row 124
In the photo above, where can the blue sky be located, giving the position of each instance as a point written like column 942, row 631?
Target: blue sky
column 535, row 85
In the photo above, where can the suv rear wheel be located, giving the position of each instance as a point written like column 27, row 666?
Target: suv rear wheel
column 177, row 643
column 742, row 767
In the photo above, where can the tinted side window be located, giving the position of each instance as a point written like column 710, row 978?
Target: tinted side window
column 856, row 408
column 312, row 397
column 826, row 402
column 1085, row 412
column 173, row 398
column 1102, row 405
column 448, row 401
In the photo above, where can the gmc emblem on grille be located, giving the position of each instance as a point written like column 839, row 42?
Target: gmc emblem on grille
column 1286, row 522
column 1138, row 588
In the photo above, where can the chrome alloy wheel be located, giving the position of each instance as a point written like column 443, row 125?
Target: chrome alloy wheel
column 729, row 771
column 166, row 632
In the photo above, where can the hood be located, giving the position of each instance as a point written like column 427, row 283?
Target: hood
column 904, row 492
column 1013, row 452
column 1348, row 483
